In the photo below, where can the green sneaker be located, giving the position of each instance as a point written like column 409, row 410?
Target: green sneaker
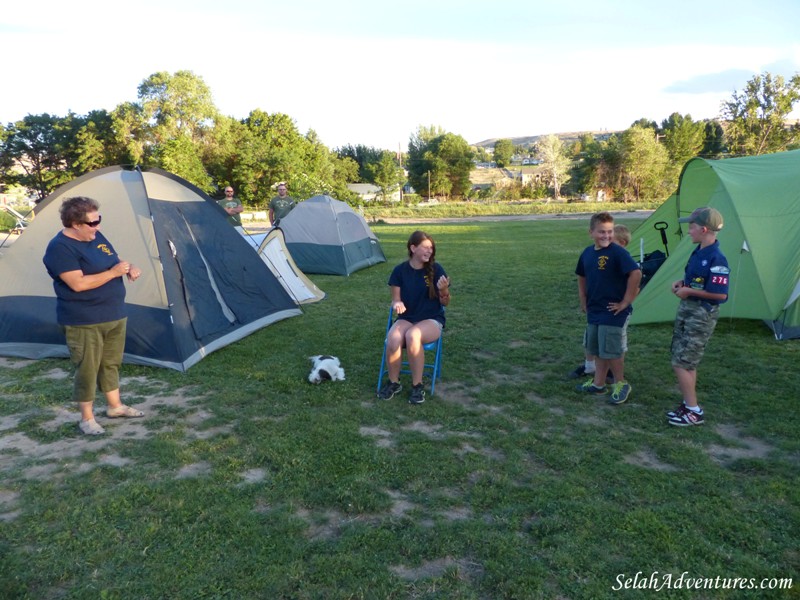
column 619, row 392
column 588, row 387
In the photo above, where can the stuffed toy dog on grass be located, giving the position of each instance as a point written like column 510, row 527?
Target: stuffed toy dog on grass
column 324, row 368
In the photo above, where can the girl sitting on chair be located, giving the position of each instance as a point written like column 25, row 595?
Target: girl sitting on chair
column 420, row 291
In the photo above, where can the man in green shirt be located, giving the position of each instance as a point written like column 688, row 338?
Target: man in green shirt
column 232, row 206
column 281, row 205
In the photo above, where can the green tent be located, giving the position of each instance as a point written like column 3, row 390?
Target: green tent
column 759, row 198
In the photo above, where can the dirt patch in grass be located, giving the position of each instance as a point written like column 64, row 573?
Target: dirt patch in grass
column 646, row 458
column 55, row 442
column 437, row 568
column 744, row 447
column 198, row 469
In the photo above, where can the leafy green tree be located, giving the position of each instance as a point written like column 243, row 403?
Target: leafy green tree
column 92, row 143
column 364, row 156
column 644, row 163
column 714, row 140
column 180, row 156
column 503, row 151
column 222, row 150
column 178, row 104
column 386, row 174
column 481, row 154
column 555, row 162
column 439, row 161
column 271, row 150
column 452, row 164
column 756, row 117
column 420, row 164
column 683, row 138
column 36, row 145
column 130, row 136
column 645, row 123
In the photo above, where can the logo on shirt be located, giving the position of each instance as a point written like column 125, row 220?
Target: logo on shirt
column 105, row 249
column 602, row 261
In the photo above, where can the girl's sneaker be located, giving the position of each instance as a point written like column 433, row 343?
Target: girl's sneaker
column 388, row 391
column 417, row 395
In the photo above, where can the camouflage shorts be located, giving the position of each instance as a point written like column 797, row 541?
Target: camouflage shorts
column 694, row 324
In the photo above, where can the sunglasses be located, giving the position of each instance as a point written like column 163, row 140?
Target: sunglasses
column 94, row 223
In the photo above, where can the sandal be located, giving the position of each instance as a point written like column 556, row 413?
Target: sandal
column 91, row 427
column 123, row 411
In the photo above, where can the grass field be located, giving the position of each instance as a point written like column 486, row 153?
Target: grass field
column 245, row 481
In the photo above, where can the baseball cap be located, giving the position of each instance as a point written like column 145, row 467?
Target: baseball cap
column 705, row 216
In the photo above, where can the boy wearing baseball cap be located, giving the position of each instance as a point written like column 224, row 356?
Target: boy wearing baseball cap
column 703, row 288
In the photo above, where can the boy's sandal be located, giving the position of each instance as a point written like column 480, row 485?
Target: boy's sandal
column 123, row 411
column 91, row 427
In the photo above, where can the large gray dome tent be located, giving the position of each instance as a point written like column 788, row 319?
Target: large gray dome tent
column 326, row 236
column 202, row 287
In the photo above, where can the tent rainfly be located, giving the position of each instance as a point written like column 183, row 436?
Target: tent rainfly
column 271, row 247
column 759, row 198
column 326, row 236
column 202, row 286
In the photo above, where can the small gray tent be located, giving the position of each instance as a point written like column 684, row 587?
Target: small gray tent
column 326, row 236
column 202, row 286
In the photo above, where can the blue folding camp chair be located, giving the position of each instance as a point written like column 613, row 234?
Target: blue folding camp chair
column 433, row 369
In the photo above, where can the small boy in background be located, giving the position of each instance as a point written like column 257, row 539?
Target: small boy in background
column 703, row 288
column 608, row 281
column 622, row 236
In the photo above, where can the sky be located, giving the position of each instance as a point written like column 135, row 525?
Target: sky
column 372, row 71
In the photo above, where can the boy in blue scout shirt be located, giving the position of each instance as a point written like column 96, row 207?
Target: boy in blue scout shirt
column 703, row 288
column 608, row 281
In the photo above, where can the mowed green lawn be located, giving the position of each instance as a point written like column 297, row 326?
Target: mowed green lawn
column 245, row 481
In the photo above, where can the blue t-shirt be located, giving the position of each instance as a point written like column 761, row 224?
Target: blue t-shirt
column 100, row 305
column 707, row 269
column 414, row 292
column 606, row 271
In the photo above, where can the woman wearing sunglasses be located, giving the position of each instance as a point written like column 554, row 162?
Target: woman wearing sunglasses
column 90, row 306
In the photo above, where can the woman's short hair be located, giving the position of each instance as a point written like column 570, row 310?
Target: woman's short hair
column 74, row 210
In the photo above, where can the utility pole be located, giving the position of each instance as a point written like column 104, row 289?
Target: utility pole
column 429, row 185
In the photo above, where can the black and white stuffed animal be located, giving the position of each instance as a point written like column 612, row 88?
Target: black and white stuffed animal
column 324, row 368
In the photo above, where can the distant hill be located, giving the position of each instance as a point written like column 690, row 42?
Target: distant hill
column 570, row 136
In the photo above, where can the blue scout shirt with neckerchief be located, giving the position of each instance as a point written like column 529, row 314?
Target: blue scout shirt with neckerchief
column 606, row 271
column 707, row 269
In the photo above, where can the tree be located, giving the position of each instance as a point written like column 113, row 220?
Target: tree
column 364, row 156
column 503, row 151
column 420, row 165
column 180, row 156
column 173, row 105
column 714, row 140
column 646, row 124
column 555, row 162
column 386, row 174
column 128, row 126
column 683, row 138
column 756, row 117
column 644, row 163
column 271, row 150
column 450, row 157
column 36, row 144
